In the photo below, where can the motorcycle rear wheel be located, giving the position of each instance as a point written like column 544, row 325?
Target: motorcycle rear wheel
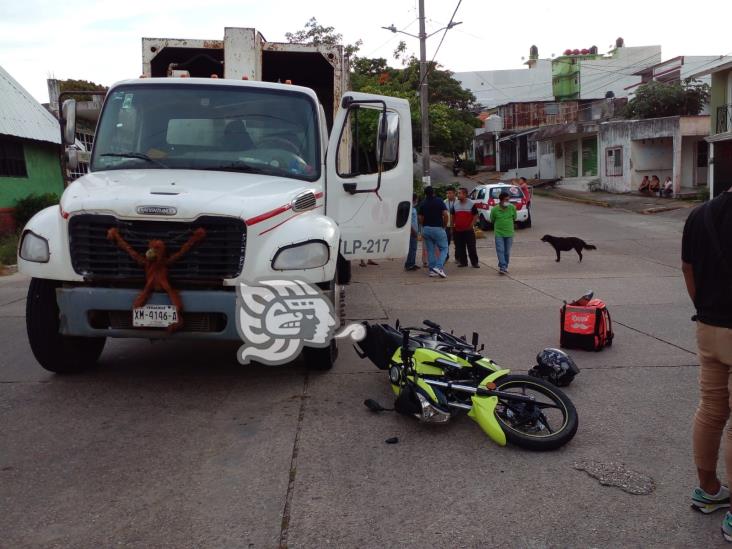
column 547, row 425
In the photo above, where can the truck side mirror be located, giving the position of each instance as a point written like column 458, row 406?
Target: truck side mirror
column 388, row 137
column 68, row 121
column 72, row 158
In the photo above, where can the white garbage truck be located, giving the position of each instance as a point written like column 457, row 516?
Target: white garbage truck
column 241, row 160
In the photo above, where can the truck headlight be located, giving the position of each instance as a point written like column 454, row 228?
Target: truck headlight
column 34, row 248
column 308, row 255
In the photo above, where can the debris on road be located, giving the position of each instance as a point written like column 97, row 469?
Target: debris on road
column 618, row 475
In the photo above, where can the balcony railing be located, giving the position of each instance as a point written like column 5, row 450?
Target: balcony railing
column 724, row 119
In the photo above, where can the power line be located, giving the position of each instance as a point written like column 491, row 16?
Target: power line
column 447, row 28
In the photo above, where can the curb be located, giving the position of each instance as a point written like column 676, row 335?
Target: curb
column 660, row 209
column 8, row 270
column 577, row 199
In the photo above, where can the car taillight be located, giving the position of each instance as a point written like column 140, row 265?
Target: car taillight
column 491, row 202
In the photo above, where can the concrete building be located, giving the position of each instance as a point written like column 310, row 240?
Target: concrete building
column 553, row 140
column 576, row 74
column 673, row 147
column 29, row 149
column 720, row 128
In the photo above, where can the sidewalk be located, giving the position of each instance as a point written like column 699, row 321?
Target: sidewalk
column 628, row 201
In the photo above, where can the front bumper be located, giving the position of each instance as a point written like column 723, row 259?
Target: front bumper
column 107, row 312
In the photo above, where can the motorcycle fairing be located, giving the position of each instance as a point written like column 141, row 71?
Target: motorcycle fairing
column 483, row 411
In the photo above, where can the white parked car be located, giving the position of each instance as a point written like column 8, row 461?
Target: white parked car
column 486, row 197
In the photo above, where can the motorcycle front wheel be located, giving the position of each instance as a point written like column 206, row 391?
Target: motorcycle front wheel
column 548, row 423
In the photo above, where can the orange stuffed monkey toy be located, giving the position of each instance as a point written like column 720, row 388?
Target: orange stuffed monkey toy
column 156, row 262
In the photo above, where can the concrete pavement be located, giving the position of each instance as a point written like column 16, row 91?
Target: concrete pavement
column 179, row 446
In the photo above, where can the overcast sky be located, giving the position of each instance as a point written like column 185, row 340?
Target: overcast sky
column 100, row 41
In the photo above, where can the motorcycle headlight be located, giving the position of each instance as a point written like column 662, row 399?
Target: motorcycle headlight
column 34, row 248
column 308, row 255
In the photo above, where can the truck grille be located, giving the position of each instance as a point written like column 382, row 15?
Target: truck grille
column 220, row 255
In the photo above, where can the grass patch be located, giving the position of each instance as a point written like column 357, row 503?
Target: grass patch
column 8, row 249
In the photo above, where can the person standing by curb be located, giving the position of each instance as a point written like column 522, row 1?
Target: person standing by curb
column 464, row 218
column 503, row 217
column 450, row 229
column 706, row 262
column 433, row 217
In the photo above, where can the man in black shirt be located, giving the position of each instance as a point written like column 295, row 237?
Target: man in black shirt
column 706, row 255
column 433, row 218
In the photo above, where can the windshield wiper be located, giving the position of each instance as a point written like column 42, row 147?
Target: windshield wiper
column 237, row 167
column 138, row 155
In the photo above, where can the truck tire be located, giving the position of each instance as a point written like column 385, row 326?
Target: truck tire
column 343, row 267
column 53, row 351
column 323, row 358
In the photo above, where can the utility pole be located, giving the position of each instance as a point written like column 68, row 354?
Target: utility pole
column 423, row 88
column 423, row 98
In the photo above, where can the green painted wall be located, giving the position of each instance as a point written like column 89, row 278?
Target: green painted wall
column 565, row 77
column 719, row 96
column 44, row 174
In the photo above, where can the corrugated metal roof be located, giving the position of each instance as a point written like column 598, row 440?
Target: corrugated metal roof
column 23, row 116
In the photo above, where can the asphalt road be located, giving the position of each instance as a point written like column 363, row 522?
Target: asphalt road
column 176, row 445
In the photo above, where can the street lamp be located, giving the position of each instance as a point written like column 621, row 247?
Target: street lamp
column 423, row 97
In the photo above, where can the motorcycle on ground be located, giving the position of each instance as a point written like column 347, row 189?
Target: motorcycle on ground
column 436, row 375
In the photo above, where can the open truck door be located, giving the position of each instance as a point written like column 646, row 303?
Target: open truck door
column 369, row 176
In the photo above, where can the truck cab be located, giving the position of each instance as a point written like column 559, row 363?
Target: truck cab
column 256, row 175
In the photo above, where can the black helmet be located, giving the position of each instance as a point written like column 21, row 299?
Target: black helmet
column 555, row 366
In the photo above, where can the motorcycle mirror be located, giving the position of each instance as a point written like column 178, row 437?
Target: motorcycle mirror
column 397, row 324
column 475, row 340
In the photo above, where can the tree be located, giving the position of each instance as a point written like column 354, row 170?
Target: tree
column 80, row 85
column 656, row 99
column 451, row 122
column 315, row 34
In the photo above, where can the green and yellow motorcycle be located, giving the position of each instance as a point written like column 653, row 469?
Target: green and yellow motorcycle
column 436, row 375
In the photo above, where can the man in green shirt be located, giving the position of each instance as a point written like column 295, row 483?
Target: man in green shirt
column 503, row 217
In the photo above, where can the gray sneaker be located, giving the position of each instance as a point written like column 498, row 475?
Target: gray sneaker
column 727, row 526
column 441, row 273
column 707, row 503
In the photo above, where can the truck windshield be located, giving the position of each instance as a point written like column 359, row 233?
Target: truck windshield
column 200, row 127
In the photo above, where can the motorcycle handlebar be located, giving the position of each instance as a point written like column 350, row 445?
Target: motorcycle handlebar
column 405, row 339
column 431, row 324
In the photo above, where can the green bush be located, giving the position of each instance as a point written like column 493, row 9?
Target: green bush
column 8, row 249
column 27, row 207
column 469, row 167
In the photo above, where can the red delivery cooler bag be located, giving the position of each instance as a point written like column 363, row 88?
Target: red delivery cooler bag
column 585, row 324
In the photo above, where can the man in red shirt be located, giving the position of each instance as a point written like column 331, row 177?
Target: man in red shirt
column 464, row 218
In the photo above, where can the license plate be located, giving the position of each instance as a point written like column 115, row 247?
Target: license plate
column 154, row 316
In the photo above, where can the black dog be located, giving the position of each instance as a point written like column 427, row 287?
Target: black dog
column 564, row 244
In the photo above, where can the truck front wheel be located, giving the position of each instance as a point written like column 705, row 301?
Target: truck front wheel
column 54, row 351
column 317, row 358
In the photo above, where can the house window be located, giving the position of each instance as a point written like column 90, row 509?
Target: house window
column 531, row 150
column 12, row 159
column 551, row 109
column 614, row 161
